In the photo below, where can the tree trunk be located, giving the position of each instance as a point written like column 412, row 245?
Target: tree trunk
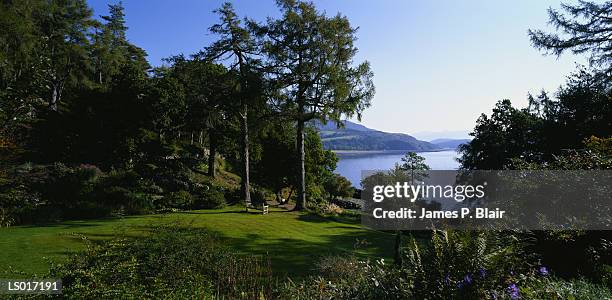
column 398, row 247
column 213, row 153
column 301, row 201
column 55, row 95
column 289, row 196
column 246, row 186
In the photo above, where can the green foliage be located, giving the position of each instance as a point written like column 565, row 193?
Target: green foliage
column 181, row 199
column 602, row 146
column 259, row 196
column 543, row 130
column 539, row 287
column 170, row 263
column 499, row 138
column 210, row 197
column 323, row 83
column 345, row 277
column 464, row 264
column 452, row 265
column 585, row 26
column 276, row 168
column 338, row 186
column 319, row 164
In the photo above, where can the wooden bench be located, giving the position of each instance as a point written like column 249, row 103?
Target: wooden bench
column 263, row 207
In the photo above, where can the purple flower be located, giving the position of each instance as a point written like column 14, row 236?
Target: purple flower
column 482, row 273
column 543, row 271
column 447, row 279
column 494, row 295
column 513, row 290
column 467, row 279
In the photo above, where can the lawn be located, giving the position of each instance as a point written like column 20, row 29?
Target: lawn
column 294, row 241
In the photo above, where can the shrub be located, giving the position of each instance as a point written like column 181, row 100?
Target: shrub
column 545, row 287
column 170, row 175
column 209, row 197
column 172, row 262
column 258, row 196
column 124, row 192
column 349, row 278
column 12, row 205
column 64, row 187
column 329, row 209
column 464, row 264
column 181, row 199
column 591, row 253
column 233, row 196
column 122, row 200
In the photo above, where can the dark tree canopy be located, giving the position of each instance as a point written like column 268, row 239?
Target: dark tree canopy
column 586, row 27
column 546, row 128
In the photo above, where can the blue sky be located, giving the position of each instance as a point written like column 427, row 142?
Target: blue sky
column 438, row 64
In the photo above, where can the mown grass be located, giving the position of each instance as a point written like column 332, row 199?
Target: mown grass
column 293, row 241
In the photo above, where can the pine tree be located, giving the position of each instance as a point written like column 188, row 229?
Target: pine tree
column 310, row 58
column 64, row 26
column 236, row 45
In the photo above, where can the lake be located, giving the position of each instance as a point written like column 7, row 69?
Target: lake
column 351, row 163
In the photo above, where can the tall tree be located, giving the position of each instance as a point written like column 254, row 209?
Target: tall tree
column 338, row 186
column 310, row 58
column 415, row 165
column 22, row 64
column 208, row 89
column 110, row 45
column 64, row 26
column 587, row 28
column 509, row 132
column 236, row 45
column 167, row 105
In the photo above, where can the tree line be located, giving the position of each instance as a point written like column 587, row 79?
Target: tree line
column 568, row 129
column 75, row 90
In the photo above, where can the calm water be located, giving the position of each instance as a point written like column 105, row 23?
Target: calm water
column 350, row 165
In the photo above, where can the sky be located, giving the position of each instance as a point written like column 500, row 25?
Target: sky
column 437, row 64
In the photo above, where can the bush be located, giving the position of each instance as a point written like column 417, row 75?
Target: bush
column 329, row 209
column 180, row 200
column 173, row 262
column 464, row 264
column 170, row 175
column 122, row 200
column 209, row 197
column 259, row 196
column 349, row 278
column 65, row 187
column 233, row 196
column 545, row 287
column 591, row 253
column 453, row 265
column 125, row 192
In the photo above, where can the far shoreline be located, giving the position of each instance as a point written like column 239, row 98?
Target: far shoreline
column 365, row 152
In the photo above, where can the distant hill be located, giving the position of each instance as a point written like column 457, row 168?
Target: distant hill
column 449, row 143
column 358, row 137
column 348, row 125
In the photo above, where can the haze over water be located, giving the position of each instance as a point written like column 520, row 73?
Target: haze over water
column 350, row 165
